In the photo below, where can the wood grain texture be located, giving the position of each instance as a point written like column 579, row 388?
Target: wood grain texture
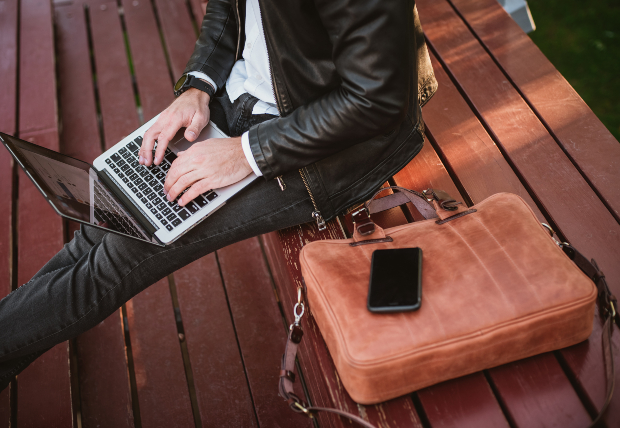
column 580, row 215
column 118, row 108
column 219, row 378
column 459, row 137
column 585, row 364
column 43, row 393
column 149, row 62
column 537, row 394
column 8, row 116
column 260, row 330
column 105, row 394
column 282, row 250
column 580, row 133
column 178, row 31
column 467, row 147
column 199, row 8
column 160, row 376
column 464, row 402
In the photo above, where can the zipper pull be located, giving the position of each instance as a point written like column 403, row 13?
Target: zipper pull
column 319, row 220
column 281, row 183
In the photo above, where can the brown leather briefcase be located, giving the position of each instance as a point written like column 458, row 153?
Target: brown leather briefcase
column 496, row 287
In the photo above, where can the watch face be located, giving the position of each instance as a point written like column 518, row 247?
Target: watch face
column 180, row 83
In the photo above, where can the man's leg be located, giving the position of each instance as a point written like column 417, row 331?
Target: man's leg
column 97, row 272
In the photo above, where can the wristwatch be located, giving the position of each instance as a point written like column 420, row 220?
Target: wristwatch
column 188, row 81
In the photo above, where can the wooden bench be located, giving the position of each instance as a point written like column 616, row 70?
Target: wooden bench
column 202, row 347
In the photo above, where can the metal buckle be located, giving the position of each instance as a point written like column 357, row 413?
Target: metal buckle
column 303, row 409
column 549, row 229
column 301, row 305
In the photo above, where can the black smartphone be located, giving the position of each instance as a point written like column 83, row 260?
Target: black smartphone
column 395, row 280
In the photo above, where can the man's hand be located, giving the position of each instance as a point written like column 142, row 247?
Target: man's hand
column 209, row 164
column 190, row 110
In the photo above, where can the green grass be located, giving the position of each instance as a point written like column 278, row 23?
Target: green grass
column 582, row 39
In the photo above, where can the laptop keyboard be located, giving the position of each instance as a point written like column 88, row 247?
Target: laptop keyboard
column 147, row 184
column 109, row 213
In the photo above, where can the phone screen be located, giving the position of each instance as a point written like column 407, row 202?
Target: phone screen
column 395, row 280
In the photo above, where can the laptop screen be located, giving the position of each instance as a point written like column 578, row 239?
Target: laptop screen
column 73, row 188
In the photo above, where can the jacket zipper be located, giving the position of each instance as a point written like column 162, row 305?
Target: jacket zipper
column 238, row 30
column 316, row 214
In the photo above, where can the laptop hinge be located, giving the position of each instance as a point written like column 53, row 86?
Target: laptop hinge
column 111, row 184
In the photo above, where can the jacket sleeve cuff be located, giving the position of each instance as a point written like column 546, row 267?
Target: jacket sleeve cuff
column 245, row 144
column 201, row 75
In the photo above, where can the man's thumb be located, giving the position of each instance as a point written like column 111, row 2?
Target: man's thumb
column 195, row 128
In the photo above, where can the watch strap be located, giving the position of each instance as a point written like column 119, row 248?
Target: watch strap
column 194, row 82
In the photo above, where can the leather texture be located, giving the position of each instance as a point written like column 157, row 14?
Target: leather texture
column 349, row 78
column 495, row 288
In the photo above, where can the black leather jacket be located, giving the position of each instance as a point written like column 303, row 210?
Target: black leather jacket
column 344, row 74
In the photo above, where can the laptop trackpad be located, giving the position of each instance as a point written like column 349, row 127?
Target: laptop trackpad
column 179, row 143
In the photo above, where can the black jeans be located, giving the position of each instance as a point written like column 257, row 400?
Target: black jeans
column 95, row 273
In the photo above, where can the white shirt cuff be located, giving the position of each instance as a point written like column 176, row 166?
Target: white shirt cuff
column 203, row 76
column 245, row 144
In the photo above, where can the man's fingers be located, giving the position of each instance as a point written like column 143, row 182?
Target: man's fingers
column 163, row 139
column 148, row 142
column 198, row 188
column 199, row 121
column 183, row 183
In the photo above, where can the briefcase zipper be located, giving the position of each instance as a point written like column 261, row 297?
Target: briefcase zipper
column 316, row 214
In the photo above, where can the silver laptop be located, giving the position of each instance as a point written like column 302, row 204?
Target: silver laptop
column 118, row 194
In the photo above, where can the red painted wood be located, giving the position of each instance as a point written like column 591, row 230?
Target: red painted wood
column 554, row 403
column 543, row 165
column 282, row 250
column 219, row 378
column 43, row 388
column 118, row 108
column 426, row 171
column 260, row 330
column 8, row 75
column 149, row 61
column 467, row 147
column 105, row 394
column 160, row 376
column 587, row 141
column 447, row 112
column 585, row 362
column 8, row 66
column 199, row 8
column 464, row 402
column 179, row 34
column 79, row 136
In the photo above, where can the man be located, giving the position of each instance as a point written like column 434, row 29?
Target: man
column 322, row 99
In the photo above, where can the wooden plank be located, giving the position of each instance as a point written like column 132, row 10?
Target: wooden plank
column 43, row 393
column 582, row 218
column 219, row 379
column 8, row 104
column 260, row 330
column 149, row 62
column 105, row 394
column 163, row 394
column 464, row 402
column 199, row 8
column 282, row 251
column 178, row 30
column 576, row 128
column 553, row 403
column 118, row 109
column 160, row 376
column 466, row 147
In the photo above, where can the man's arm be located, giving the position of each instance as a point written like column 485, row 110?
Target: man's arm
column 372, row 43
column 214, row 56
